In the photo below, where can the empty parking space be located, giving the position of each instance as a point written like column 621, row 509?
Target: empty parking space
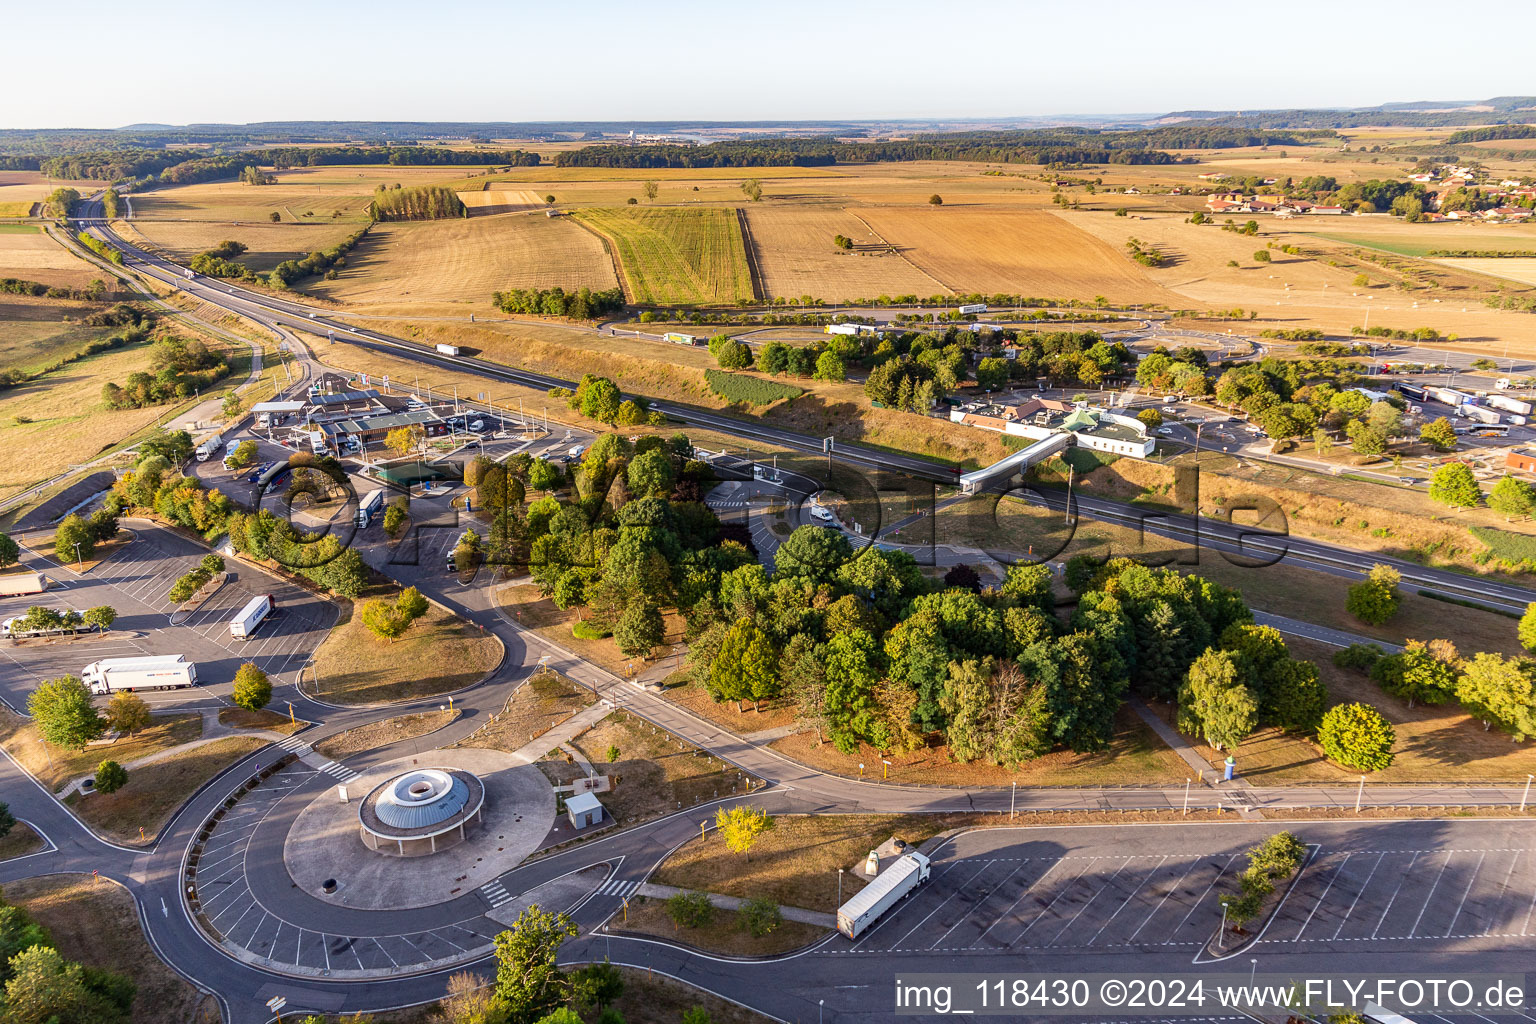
column 989, row 894
column 135, row 581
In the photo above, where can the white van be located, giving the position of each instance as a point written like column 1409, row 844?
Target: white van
column 317, row 443
column 576, row 451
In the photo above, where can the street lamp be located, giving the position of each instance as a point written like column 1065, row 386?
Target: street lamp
column 839, row 886
column 819, row 1004
column 78, row 564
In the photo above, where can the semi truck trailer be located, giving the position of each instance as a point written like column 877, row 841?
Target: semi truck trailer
column 903, row 877
column 369, row 507
column 18, row 583
column 162, row 672
column 256, row 610
column 448, row 350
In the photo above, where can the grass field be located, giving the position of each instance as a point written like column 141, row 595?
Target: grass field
column 20, row 841
column 676, row 256
column 464, row 261
column 439, row 653
column 36, row 334
column 97, row 923
column 540, row 704
column 305, row 195
column 724, row 933
column 25, row 249
column 17, row 208
column 382, row 733
column 156, row 790
column 54, row 766
column 1515, row 268
column 268, row 244
column 793, row 244
column 1022, row 251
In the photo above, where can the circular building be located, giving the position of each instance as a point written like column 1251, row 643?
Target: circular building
column 421, row 811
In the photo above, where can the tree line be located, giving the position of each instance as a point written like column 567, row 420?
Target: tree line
column 423, row 202
column 177, row 368
column 580, row 304
column 38, row 984
column 137, row 331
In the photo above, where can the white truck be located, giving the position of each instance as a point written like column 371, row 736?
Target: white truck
column 1479, row 413
column 369, row 506
column 256, row 610
column 1509, row 403
column 974, row 307
column 904, row 875
column 209, row 447
column 18, row 583
column 22, row 626
column 679, row 339
column 160, row 672
column 448, row 350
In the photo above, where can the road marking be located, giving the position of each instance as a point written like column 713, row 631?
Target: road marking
column 1363, row 886
column 1173, row 889
column 1128, row 898
column 1088, row 902
column 979, row 902
column 1467, row 892
column 942, row 905
column 1198, row 901
column 1324, row 895
column 1388, row 908
column 1438, row 875
column 1047, row 908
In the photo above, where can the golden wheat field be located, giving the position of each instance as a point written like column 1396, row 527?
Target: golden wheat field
column 467, row 260
column 486, row 202
column 267, row 244
column 794, row 250
column 1022, row 251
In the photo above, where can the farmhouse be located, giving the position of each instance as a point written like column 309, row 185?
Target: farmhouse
column 1040, row 418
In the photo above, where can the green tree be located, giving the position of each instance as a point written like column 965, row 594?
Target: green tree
column 732, row 354
column 1357, row 736
column 64, row 713
column 543, row 476
column 253, row 690
column 1527, row 629
column 1500, row 692
column 650, row 473
column 760, row 917
column 830, row 367
column 75, row 540
column 127, row 713
column 469, row 1000
column 740, row 827
column 1375, row 599
column 1150, row 418
column 243, row 456
column 1439, row 435
column 44, row 988
column 1213, row 703
column 7, row 822
column 101, row 617
column 1296, row 698
column 1511, row 497
column 595, row 986
column 1368, row 441
column 697, row 1015
column 110, row 777
column 528, row 980
column 1421, row 673
column 851, row 707
column 1453, row 484
column 10, row 552
column 639, row 629
column 650, row 189
column 812, row 552
column 745, row 667
column 752, row 189
column 1262, row 256
column 935, row 200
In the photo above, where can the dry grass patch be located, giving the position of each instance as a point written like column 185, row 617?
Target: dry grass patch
column 1135, row 756
column 770, row 714
column 267, row 244
column 486, row 202
column 55, row 766
column 464, row 261
column 20, row 841
column 724, row 934
column 543, row 702
column 383, row 733
column 1021, row 251
column 794, row 249
column 157, row 790
column 270, row 721
column 656, row 773
column 531, row 609
column 97, row 923
column 656, row 999
column 31, row 249
column 439, row 653
column 671, row 255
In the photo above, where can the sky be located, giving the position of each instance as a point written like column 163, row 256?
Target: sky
column 176, row 62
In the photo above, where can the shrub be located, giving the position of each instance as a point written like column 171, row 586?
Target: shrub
column 1359, row 656
column 690, row 909
column 253, row 690
column 110, row 777
column 759, row 917
column 1357, row 736
column 586, row 629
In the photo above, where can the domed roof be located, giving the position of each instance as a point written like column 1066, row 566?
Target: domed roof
column 421, row 798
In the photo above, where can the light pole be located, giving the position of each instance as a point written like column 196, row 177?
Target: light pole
column 819, row 1004
column 1186, row 796
column 1360, row 794
column 1012, row 796
column 839, row 886
column 1253, row 969
column 1527, row 794
column 78, row 563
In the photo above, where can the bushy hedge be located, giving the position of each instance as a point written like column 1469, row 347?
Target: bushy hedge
column 738, row 387
column 581, row 304
column 289, row 271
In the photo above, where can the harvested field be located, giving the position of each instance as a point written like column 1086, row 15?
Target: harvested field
column 464, row 261
column 486, row 202
column 692, row 257
column 1513, row 268
column 317, row 192
column 267, row 244
column 1022, row 251
column 28, row 249
column 794, row 249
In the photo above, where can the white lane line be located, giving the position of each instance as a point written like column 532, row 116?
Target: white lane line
column 1465, row 893
column 942, row 905
column 1400, row 882
column 1363, row 885
column 1026, row 891
column 1047, row 908
column 1088, row 902
column 1175, row 888
column 977, row 907
column 1200, row 900
column 1438, row 875
column 1128, row 898
column 1324, row 895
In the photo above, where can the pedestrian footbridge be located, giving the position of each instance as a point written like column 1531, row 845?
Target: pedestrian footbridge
column 1018, row 462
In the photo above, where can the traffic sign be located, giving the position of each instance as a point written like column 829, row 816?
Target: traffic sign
column 276, row 1003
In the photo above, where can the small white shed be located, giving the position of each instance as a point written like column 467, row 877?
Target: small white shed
column 584, row 809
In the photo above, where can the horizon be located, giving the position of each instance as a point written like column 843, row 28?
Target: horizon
column 854, row 63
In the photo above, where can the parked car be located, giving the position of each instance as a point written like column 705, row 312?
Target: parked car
column 478, row 426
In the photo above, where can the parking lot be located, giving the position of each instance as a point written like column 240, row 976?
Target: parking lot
column 134, row 581
column 1400, row 886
